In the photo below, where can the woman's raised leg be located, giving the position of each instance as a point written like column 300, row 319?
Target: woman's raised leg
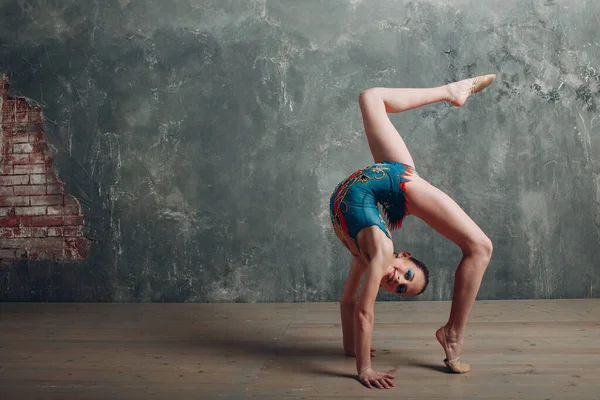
column 384, row 140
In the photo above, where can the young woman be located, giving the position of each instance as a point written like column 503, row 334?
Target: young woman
column 394, row 183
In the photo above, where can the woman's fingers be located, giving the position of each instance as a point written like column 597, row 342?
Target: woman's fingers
column 378, row 379
column 381, row 383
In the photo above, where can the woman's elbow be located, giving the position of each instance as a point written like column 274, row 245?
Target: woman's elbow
column 365, row 317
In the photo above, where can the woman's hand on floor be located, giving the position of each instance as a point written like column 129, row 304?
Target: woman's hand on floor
column 369, row 377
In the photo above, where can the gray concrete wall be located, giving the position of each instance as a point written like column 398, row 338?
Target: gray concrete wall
column 204, row 138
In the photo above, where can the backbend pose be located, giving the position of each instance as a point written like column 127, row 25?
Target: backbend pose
column 393, row 182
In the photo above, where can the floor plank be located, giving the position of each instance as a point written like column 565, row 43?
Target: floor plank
column 542, row 349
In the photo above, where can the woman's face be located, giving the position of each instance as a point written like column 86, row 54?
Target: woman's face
column 403, row 277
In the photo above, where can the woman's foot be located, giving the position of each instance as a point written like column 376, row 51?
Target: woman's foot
column 453, row 347
column 459, row 91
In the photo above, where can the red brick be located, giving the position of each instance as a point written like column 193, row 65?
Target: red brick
column 28, row 254
column 54, row 189
column 14, row 180
column 36, row 134
column 56, row 231
column 7, row 211
column 22, row 116
column 37, row 179
column 16, row 232
column 8, row 130
column 22, row 128
column 73, row 220
column 39, row 147
column 12, row 220
column 30, row 169
column 45, row 221
column 35, row 115
column 18, row 138
column 48, row 254
column 22, row 232
column 50, row 200
column 50, row 244
column 76, row 248
column 39, row 232
column 7, row 254
column 13, row 243
column 30, row 210
column 8, row 169
column 6, row 191
column 75, row 231
column 31, row 190
column 51, row 178
column 34, row 243
column 63, row 210
column 21, row 148
column 21, row 105
column 7, row 201
column 7, row 233
column 37, row 158
column 55, row 210
column 17, row 159
column 70, row 199
column 73, row 210
column 8, row 106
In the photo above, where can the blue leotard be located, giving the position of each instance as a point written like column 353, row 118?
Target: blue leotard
column 354, row 202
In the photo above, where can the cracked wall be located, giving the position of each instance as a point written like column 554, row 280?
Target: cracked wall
column 38, row 220
column 203, row 139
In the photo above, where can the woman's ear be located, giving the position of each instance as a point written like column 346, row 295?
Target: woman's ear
column 405, row 254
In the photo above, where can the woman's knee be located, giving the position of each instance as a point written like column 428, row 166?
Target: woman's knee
column 480, row 247
column 369, row 95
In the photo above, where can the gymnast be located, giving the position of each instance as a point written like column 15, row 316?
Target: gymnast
column 394, row 183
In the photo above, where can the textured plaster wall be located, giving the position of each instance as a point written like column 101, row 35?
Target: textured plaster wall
column 203, row 139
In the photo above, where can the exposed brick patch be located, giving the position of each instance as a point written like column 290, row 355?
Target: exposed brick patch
column 38, row 219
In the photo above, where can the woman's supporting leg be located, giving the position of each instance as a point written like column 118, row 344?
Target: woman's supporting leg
column 442, row 213
column 384, row 140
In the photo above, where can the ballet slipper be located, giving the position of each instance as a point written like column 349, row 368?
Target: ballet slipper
column 481, row 82
column 459, row 95
column 454, row 365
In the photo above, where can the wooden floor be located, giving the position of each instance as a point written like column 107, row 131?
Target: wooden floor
column 547, row 349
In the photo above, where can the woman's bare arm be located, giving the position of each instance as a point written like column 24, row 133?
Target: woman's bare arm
column 348, row 304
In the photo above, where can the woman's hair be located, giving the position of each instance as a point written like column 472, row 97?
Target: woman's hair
column 425, row 270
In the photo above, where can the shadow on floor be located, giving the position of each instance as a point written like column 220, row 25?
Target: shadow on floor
column 300, row 357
